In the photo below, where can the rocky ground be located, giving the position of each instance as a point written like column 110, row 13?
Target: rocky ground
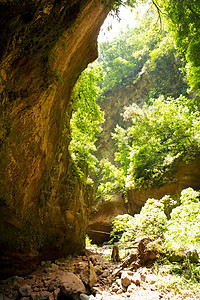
column 92, row 276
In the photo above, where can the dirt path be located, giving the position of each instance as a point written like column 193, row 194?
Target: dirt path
column 95, row 269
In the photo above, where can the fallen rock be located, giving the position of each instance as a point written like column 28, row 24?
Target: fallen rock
column 92, row 276
column 71, row 286
column 52, row 286
column 126, row 279
column 131, row 288
column 82, row 269
column 25, row 290
column 115, row 288
column 136, row 279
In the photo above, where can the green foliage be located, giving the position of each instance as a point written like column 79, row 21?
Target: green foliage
column 151, row 221
column 161, row 134
column 184, row 225
column 114, row 5
column 86, row 118
column 144, row 48
column 112, row 180
column 165, row 70
column 122, row 224
column 185, row 24
column 123, row 58
column 123, row 144
column 180, row 233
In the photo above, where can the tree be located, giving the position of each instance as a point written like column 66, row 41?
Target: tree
column 161, row 134
column 87, row 117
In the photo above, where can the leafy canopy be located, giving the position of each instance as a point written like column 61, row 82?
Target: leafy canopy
column 143, row 48
column 87, row 117
column 161, row 134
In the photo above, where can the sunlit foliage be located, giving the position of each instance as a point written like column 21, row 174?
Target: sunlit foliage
column 143, row 48
column 87, row 117
column 160, row 135
column 175, row 235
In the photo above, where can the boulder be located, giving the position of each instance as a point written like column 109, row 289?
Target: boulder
column 71, row 286
column 25, row 290
column 126, row 279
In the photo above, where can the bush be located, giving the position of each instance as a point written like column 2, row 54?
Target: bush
column 179, row 233
column 183, row 231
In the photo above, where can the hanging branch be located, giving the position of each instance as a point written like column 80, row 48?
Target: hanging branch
column 159, row 13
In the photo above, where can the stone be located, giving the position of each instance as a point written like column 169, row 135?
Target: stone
column 52, row 286
column 98, row 270
column 131, row 288
column 125, row 279
column 56, row 293
column 102, row 218
column 115, row 288
column 82, row 269
column 96, row 290
column 118, row 282
column 44, row 295
column 25, row 290
column 71, row 285
column 84, row 297
column 98, row 297
column 136, row 279
column 54, row 267
column 92, row 275
column 93, row 260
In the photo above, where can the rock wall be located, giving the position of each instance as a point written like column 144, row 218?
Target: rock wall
column 113, row 104
column 186, row 175
column 103, row 216
column 44, row 205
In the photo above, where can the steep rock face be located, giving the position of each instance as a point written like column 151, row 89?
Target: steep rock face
column 186, row 175
column 44, row 46
column 113, row 104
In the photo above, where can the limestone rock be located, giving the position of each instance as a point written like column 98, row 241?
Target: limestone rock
column 52, row 286
column 84, row 297
column 71, row 286
column 185, row 175
column 126, row 279
column 92, row 276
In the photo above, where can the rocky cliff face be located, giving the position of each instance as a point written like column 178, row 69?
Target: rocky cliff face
column 113, row 106
column 186, row 175
column 44, row 46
